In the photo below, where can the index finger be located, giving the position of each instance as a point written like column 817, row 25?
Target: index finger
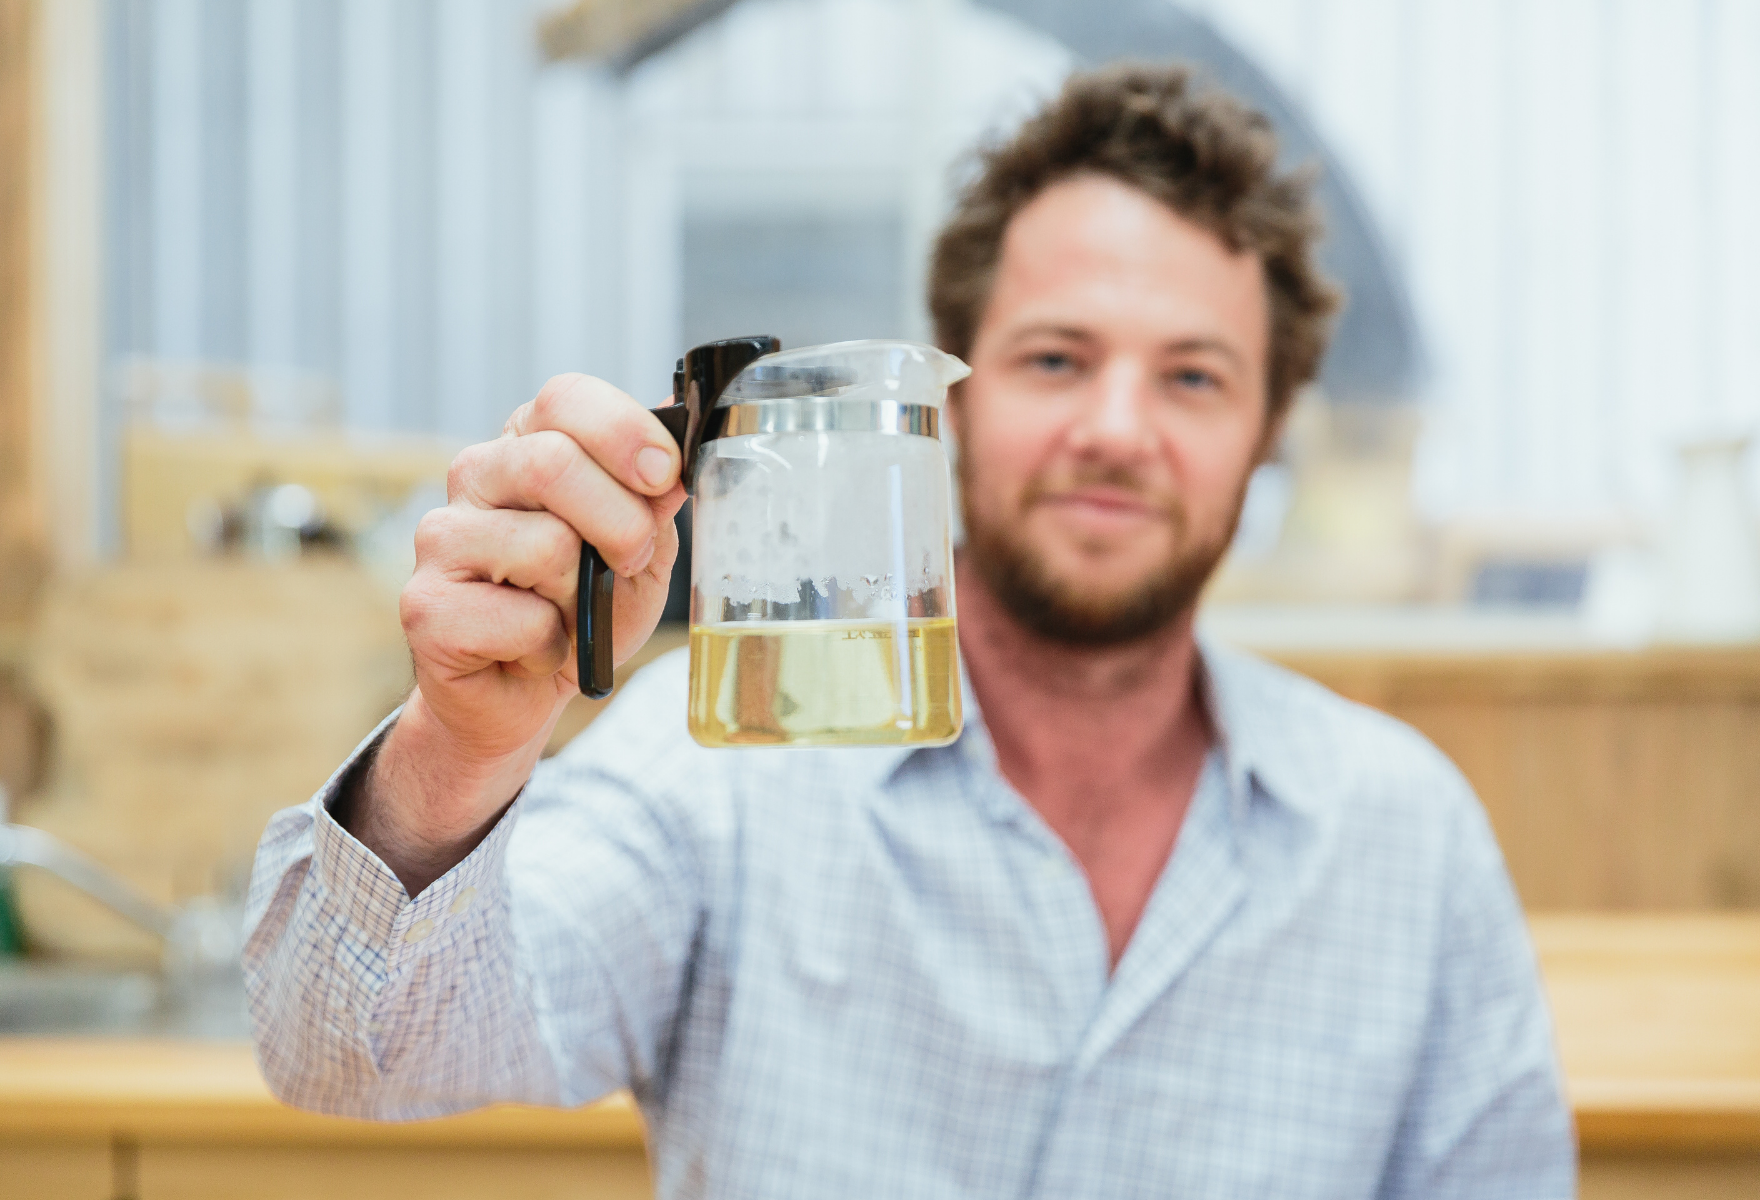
column 619, row 434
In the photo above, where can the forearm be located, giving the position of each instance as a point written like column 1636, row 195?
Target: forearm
column 421, row 803
column 562, row 936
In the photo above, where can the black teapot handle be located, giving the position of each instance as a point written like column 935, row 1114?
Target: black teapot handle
column 697, row 383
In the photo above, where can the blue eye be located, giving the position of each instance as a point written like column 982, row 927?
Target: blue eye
column 1053, row 363
column 1192, row 377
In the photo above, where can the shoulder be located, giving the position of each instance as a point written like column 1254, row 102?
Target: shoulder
column 1384, row 816
column 1326, row 755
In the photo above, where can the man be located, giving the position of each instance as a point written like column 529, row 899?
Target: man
column 1164, row 921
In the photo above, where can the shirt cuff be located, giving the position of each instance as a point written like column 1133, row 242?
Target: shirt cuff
column 383, row 921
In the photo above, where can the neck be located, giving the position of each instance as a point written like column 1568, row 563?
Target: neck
column 1061, row 713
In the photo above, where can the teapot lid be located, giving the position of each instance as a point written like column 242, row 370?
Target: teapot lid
column 716, row 381
column 871, row 369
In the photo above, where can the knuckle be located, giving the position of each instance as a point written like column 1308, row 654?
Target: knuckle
column 500, row 631
column 464, row 468
column 433, row 532
column 416, row 606
column 559, row 547
column 555, row 398
column 549, row 456
column 627, row 529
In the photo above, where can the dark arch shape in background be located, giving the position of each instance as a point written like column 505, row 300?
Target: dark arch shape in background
column 1376, row 353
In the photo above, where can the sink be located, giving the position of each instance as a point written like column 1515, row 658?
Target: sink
column 199, row 995
column 76, row 1000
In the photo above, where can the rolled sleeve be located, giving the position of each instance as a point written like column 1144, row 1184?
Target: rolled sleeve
column 365, row 1002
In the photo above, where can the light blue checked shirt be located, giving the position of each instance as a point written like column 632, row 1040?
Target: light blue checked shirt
column 877, row 973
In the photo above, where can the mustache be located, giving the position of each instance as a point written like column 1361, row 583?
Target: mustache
column 1111, row 475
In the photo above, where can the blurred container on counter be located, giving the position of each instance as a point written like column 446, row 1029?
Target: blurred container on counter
column 1711, row 557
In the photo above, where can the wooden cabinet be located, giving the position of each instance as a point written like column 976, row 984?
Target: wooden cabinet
column 122, row 1120
column 173, row 1172
column 1616, row 781
column 44, row 1168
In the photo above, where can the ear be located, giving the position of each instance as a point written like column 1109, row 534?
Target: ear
column 1273, row 434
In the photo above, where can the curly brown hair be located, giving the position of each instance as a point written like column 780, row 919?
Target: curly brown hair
column 1206, row 156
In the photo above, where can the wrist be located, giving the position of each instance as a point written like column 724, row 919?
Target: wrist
column 424, row 802
column 458, row 779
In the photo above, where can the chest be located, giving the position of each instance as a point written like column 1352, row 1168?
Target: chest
column 1121, row 835
column 926, row 1010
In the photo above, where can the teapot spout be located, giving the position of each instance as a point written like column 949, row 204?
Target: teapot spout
column 948, row 369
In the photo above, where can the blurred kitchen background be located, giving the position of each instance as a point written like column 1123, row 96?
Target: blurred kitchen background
column 265, row 265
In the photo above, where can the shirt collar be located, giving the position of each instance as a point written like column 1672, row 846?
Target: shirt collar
column 1219, row 686
column 1248, row 701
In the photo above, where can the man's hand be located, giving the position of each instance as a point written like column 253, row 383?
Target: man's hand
column 490, row 612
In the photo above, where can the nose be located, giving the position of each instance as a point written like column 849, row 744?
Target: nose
column 1115, row 422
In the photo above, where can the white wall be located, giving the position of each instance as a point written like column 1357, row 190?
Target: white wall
column 1573, row 187
column 400, row 197
column 426, row 215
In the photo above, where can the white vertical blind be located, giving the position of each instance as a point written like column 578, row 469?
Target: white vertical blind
column 368, row 370
column 177, row 177
column 438, row 222
column 465, row 213
column 1572, row 188
column 565, row 274
column 272, row 166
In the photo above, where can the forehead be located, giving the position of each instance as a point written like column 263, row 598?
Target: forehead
column 1098, row 254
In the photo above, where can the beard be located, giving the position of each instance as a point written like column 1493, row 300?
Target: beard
column 1054, row 606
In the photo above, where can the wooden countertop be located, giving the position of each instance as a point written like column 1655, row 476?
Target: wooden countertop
column 1658, row 1024
column 168, row 1091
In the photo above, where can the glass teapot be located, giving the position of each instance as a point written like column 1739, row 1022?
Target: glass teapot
column 822, row 609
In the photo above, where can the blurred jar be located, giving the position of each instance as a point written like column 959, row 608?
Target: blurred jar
column 1711, row 558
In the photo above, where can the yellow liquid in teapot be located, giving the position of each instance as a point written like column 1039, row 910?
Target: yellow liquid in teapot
column 825, row 683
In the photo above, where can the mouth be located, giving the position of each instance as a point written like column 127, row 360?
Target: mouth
column 1102, row 509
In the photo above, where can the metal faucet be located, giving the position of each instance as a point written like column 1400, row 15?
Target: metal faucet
column 22, row 846
column 202, row 937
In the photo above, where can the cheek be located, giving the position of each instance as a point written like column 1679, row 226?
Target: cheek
column 1002, row 455
column 1212, row 472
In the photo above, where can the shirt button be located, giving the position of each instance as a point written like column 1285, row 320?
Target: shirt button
column 375, row 1027
column 419, row 931
column 463, row 901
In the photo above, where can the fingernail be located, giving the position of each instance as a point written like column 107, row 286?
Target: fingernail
column 644, row 558
column 653, row 465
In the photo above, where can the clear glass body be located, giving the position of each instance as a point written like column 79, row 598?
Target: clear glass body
column 822, row 608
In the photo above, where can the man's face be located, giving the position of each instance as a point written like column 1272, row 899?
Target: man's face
column 1116, row 407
